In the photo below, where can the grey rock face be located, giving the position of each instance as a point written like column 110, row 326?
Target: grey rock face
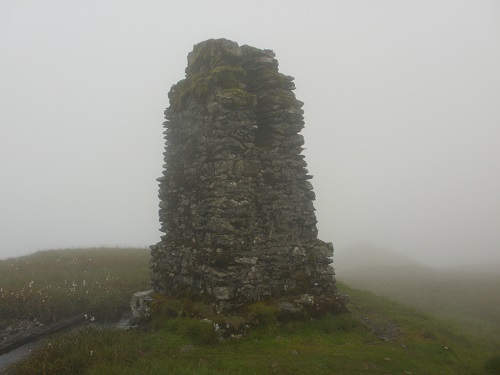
column 236, row 200
column 141, row 305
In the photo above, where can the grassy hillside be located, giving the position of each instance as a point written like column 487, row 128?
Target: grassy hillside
column 55, row 284
column 468, row 297
column 378, row 337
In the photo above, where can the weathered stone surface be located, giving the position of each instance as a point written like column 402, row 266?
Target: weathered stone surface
column 235, row 196
column 290, row 308
column 141, row 305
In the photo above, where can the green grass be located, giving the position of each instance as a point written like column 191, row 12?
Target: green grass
column 470, row 299
column 379, row 336
column 55, row 284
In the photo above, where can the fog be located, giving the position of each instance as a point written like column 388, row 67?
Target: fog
column 401, row 108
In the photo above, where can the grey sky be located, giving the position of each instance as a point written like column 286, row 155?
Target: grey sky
column 401, row 104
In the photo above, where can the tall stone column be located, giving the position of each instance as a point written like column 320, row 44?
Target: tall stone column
column 236, row 203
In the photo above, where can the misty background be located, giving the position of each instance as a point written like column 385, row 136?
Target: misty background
column 401, row 107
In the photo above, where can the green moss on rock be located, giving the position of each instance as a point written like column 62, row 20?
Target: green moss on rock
column 200, row 85
column 211, row 53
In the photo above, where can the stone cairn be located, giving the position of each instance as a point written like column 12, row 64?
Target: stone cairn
column 236, row 201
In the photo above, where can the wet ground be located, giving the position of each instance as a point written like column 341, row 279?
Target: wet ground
column 17, row 354
column 25, row 350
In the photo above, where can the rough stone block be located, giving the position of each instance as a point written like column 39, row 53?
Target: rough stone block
column 141, row 305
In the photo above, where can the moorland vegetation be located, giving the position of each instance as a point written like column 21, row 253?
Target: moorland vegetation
column 378, row 336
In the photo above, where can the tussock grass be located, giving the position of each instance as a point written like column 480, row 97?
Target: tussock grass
column 55, row 284
column 379, row 336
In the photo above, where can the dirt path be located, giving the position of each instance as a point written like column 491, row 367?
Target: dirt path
column 17, row 354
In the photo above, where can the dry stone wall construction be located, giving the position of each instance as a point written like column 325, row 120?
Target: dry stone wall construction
column 236, row 201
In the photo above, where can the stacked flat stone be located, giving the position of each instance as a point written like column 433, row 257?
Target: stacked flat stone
column 235, row 196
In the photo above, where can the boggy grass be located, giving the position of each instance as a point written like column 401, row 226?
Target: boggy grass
column 339, row 344
column 77, row 351
column 55, row 284
column 355, row 343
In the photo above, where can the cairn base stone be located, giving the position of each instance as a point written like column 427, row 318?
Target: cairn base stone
column 141, row 305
